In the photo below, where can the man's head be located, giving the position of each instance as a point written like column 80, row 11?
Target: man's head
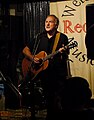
column 51, row 23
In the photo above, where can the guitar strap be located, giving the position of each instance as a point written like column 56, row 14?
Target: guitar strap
column 56, row 42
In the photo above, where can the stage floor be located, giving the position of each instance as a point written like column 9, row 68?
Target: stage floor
column 21, row 114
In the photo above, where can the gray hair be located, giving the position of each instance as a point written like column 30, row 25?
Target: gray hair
column 56, row 18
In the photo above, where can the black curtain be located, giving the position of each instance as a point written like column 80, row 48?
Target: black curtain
column 17, row 31
column 34, row 15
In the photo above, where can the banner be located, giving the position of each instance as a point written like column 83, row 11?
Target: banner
column 72, row 17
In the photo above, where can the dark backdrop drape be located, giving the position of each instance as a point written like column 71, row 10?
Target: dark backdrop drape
column 21, row 30
column 34, row 15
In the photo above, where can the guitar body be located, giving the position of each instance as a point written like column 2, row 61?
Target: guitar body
column 35, row 68
column 28, row 65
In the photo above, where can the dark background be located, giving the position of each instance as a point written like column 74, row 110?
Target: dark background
column 90, row 31
column 15, row 31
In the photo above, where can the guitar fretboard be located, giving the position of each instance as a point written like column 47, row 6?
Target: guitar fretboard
column 50, row 55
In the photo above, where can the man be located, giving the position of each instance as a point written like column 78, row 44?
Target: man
column 53, row 76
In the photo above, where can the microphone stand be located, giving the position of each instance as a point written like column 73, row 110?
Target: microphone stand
column 10, row 84
column 30, row 79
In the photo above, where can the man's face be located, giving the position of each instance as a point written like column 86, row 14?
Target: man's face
column 50, row 24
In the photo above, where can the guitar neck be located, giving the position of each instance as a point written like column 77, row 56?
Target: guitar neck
column 69, row 46
column 51, row 55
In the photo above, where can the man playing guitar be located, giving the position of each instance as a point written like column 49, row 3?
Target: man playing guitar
column 54, row 75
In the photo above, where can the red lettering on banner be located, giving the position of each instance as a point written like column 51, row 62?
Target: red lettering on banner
column 68, row 27
column 78, row 28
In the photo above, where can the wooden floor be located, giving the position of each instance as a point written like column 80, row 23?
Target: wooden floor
column 26, row 114
column 21, row 114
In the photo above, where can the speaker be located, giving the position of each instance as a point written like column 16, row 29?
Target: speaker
column 89, row 38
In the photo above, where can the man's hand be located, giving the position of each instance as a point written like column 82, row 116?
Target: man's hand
column 62, row 49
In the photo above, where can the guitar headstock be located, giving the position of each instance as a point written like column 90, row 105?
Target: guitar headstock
column 72, row 44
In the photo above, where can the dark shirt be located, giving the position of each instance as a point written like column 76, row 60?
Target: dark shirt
column 57, row 68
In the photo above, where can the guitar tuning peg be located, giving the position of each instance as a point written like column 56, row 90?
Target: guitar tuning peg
column 76, row 44
column 70, row 39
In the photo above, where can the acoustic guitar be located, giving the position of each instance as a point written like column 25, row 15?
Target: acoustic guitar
column 35, row 68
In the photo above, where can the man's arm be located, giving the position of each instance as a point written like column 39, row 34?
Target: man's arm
column 26, row 51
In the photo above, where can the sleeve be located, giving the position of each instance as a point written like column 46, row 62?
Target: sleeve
column 33, row 43
column 66, row 43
